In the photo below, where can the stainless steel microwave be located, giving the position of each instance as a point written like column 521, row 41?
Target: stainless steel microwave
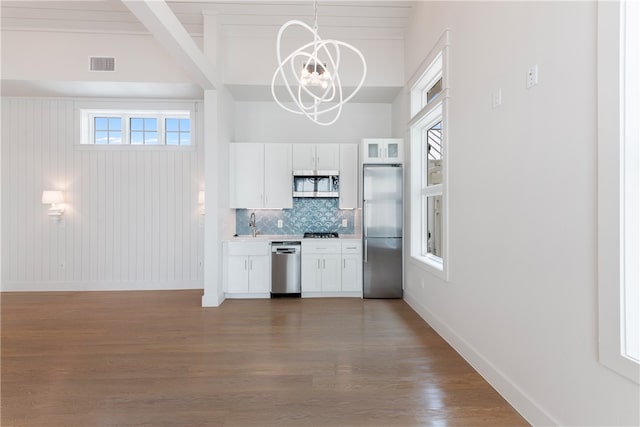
column 316, row 184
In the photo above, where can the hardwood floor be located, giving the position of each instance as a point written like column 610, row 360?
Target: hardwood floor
column 159, row 359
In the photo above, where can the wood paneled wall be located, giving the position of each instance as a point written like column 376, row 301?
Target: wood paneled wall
column 131, row 221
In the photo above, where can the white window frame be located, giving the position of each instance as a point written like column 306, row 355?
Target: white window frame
column 86, row 112
column 616, row 250
column 423, row 117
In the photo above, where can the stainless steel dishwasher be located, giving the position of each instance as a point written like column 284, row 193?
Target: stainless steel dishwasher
column 285, row 269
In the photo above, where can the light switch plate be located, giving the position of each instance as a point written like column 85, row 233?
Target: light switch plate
column 496, row 98
column 279, row 223
column 344, row 222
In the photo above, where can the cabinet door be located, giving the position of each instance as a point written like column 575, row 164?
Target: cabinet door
column 331, row 273
column 393, row 151
column 246, row 175
column 304, row 157
column 278, row 180
column 259, row 277
column 328, row 157
column 351, row 273
column 348, row 176
column 372, row 150
column 238, row 276
column 311, row 273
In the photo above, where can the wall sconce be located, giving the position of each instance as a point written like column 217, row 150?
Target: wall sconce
column 201, row 201
column 54, row 198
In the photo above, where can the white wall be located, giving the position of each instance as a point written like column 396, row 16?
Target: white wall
column 50, row 55
column 131, row 220
column 268, row 122
column 521, row 303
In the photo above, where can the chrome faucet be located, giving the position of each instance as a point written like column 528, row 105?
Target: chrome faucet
column 252, row 224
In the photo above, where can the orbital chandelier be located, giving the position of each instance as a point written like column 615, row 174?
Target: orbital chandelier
column 311, row 77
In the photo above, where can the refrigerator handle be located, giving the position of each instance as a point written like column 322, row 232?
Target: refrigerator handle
column 365, row 250
column 364, row 217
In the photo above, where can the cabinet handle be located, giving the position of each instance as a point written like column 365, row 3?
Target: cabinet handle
column 324, row 264
column 318, row 263
column 245, row 264
column 344, row 263
column 250, row 264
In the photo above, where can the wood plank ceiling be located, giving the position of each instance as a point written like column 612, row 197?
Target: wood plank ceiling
column 369, row 19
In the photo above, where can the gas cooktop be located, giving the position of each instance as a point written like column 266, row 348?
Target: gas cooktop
column 321, row 235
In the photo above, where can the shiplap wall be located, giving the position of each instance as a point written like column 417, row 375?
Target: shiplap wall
column 131, row 219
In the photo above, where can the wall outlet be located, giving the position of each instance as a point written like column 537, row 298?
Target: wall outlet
column 532, row 76
column 344, row 222
column 279, row 223
column 61, row 265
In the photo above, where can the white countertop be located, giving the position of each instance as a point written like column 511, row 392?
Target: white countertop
column 287, row 237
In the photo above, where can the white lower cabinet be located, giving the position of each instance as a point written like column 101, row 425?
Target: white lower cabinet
column 328, row 271
column 248, row 270
column 352, row 266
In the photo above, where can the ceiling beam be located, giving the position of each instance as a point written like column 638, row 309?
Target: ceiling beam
column 167, row 29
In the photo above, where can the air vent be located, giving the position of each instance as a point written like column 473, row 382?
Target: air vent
column 99, row 63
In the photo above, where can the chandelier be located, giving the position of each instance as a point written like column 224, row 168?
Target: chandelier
column 311, row 77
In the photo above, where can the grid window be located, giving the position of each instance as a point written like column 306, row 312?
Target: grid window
column 144, row 131
column 107, row 130
column 178, row 131
column 136, row 128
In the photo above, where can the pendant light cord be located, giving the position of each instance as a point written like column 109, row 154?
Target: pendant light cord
column 315, row 15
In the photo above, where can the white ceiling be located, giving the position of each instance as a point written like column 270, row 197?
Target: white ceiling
column 384, row 17
column 354, row 19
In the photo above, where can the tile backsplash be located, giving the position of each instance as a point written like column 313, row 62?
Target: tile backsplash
column 306, row 215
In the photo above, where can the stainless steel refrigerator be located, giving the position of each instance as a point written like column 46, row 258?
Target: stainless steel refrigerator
column 382, row 231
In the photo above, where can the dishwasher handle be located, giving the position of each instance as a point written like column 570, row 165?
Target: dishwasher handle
column 285, row 251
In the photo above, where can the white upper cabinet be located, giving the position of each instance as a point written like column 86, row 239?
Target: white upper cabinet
column 382, row 150
column 311, row 157
column 348, row 176
column 278, row 180
column 260, row 176
column 246, row 180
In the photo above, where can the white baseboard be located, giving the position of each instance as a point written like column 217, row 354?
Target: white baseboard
column 518, row 398
column 66, row 286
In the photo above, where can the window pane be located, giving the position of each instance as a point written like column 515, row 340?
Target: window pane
column 100, row 123
column 151, row 124
column 185, row 125
column 185, row 138
column 136, row 124
column 172, row 138
column 100, row 137
column 432, row 92
column 433, row 143
column 115, row 123
column 136, row 138
column 171, row 125
column 434, row 226
column 115, row 137
column 150, row 137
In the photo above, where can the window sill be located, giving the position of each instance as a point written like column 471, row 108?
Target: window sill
column 430, row 264
column 96, row 147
